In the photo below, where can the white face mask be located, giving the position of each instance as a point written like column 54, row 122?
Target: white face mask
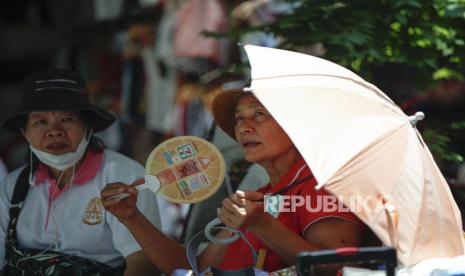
column 64, row 161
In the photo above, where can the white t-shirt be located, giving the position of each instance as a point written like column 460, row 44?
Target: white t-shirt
column 77, row 223
column 3, row 170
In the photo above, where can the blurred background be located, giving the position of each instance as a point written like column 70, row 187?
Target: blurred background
column 157, row 64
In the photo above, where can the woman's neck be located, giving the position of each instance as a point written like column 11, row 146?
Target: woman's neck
column 278, row 167
column 64, row 177
column 61, row 177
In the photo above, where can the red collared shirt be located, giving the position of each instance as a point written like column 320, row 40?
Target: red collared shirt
column 238, row 254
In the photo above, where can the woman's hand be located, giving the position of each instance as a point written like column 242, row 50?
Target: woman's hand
column 243, row 209
column 123, row 209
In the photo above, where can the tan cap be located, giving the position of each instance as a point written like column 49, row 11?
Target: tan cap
column 224, row 107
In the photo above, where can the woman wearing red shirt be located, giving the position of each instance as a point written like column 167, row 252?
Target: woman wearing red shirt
column 277, row 238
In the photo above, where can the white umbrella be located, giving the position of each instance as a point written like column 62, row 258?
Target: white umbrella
column 362, row 148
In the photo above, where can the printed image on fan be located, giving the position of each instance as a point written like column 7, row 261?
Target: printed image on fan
column 189, row 168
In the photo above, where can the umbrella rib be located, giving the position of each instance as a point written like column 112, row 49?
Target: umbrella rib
column 363, row 83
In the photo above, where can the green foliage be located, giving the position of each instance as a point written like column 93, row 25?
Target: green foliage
column 439, row 144
column 458, row 125
column 423, row 35
column 425, row 38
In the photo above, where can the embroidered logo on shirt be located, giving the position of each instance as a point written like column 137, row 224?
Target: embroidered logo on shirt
column 94, row 212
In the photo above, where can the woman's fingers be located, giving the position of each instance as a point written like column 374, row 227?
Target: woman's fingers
column 239, row 201
column 111, row 202
column 241, row 198
column 138, row 182
column 250, row 195
column 225, row 217
column 233, row 207
column 231, row 214
column 227, row 212
column 241, row 209
column 114, row 189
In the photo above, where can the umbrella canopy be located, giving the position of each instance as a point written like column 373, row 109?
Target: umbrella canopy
column 362, row 148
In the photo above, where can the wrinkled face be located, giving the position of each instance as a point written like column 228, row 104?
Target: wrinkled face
column 56, row 132
column 260, row 136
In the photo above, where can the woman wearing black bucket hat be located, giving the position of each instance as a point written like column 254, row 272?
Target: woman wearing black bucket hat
column 51, row 218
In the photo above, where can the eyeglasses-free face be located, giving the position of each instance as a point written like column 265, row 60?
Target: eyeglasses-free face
column 55, row 132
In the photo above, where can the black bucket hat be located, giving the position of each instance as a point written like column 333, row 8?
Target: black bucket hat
column 57, row 90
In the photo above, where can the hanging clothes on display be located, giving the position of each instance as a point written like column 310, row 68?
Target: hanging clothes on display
column 161, row 75
column 160, row 93
column 107, row 9
column 132, row 88
column 191, row 21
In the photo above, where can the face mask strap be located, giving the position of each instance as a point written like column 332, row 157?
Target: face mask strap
column 89, row 132
column 87, row 136
column 71, row 181
column 31, row 179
